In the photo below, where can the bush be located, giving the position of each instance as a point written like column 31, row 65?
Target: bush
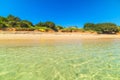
column 102, row 28
column 25, row 29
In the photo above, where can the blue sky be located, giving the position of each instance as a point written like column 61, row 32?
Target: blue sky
column 63, row 12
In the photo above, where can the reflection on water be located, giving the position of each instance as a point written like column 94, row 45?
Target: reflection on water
column 60, row 60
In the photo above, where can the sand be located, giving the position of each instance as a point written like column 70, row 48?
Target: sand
column 58, row 35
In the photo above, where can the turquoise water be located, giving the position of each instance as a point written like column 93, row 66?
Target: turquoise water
column 60, row 60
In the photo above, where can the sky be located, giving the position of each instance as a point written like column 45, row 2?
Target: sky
column 63, row 12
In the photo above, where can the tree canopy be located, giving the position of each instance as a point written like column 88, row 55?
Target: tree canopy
column 104, row 28
column 15, row 22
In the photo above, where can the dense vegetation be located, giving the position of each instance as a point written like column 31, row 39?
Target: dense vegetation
column 13, row 23
column 104, row 28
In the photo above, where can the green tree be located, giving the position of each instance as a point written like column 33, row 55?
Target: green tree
column 12, row 24
column 106, row 28
column 2, row 26
column 12, row 21
column 13, row 18
column 59, row 27
column 89, row 26
column 3, row 19
column 51, row 25
column 23, row 25
column 27, row 22
column 41, row 24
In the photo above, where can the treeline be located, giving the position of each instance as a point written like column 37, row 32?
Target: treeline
column 13, row 23
column 102, row 28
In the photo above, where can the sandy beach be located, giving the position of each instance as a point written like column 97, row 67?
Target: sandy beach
column 48, row 36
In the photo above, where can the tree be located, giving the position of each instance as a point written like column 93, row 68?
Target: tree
column 23, row 25
column 59, row 27
column 104, row 28
column 89, row 26
column 41, row 24
column 13, row 18
column 12, row 21
column 3, row 19
column 51, row 25
column 12, row 24
column 2, row 26
column 28, row 23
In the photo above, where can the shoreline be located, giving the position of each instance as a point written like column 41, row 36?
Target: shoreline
column 55, row 36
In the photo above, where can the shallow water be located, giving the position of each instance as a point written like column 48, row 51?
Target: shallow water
column 60, row 60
